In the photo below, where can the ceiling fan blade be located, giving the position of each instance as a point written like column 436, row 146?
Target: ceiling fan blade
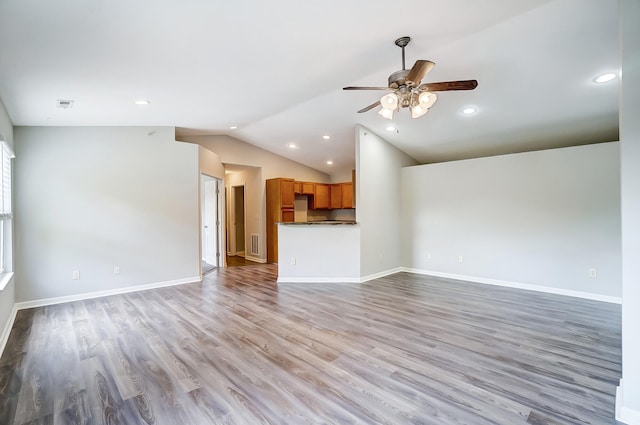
column 419, row 70
column 370, row 107
column 449, row 85
column 366, row 88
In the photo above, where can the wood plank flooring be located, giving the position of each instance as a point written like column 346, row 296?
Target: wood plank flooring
column 238, row 261
column 239, row 349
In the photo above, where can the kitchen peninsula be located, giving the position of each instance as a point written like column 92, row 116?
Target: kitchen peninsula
column 294, row 202
column 319, row 252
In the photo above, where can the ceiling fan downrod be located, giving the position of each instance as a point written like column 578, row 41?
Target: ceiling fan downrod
column 402, row 43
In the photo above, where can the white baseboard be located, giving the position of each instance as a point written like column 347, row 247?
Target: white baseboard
column 256, row 259
column 624, row 414
column 98, row 294
column 318, row 280
column 4, row 338
column 339, row 279
column 381, row 274
column 518, row 285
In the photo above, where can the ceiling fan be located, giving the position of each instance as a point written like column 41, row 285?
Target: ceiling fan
column 406, row 90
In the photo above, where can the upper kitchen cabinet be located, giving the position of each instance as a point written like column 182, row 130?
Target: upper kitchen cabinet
column 332, row 196
column 303, row 188
column 336, row 196
column 346, row 190
column 321, row 197
column 287, row 194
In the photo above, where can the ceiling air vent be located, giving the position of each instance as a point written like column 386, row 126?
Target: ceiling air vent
column 62, row 103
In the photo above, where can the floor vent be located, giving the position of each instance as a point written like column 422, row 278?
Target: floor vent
column 255, row 244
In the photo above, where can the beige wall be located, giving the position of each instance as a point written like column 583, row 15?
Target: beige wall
column 210, row 164
column 235, row 151
column 251, row 179
column 251, row 166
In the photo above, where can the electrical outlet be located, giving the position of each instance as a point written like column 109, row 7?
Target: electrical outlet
column 293, row 261
column 116, row 269
column 460, row 259
column 593, row 272
column 76, row 274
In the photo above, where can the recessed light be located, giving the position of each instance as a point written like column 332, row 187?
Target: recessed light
column 469, row 111
column 292, row 146
column 233, row 127
column 391, row 128
column 141, row 102
column 329, row 162
column 326, row 137
column 605, row 78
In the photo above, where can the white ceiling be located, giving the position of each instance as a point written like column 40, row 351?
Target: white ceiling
column 276, row 70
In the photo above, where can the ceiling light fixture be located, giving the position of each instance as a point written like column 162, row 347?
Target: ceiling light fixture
column 418, row 102
column 233, row 127
column 329, row 162
column 407, row 90
column 468, row 111
column 292, row 146
column 604, row 78
column 141, row 102
column 326, row 137
column 391, row 128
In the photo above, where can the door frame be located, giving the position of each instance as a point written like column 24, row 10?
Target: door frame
column 219, row 219
column 232, row 248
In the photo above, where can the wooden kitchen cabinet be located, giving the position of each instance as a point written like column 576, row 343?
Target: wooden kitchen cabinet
column 336, row 196
column 303, row 188
column 287, row 195
column 280, row 208
column 347, row 195
column 321, row 196
column 307, row 188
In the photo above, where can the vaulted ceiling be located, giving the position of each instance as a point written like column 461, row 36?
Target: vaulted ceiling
column 276, row 71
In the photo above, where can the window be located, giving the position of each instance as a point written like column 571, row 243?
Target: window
column 5, row 208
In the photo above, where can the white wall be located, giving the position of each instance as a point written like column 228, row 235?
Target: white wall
column 378, row 202
column 89, row 198
column 629, row 397
column 537, row 218
column 7, row 295
column 321, row 252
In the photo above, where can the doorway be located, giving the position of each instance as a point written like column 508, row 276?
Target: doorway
column 210, row 219
column 238, row 220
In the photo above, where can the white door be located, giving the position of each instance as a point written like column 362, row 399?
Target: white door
column 210, row 222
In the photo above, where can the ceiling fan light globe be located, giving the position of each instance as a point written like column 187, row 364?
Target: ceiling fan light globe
column 427, row 99
column 417, row 111
column 386, row 113
column 389, row 101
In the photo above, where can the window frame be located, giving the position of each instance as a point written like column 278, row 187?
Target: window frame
column 6, row 213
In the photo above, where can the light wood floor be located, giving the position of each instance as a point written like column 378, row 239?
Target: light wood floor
column 239, row 349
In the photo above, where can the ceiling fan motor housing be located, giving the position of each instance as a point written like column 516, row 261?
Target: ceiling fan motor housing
column 398, row 78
